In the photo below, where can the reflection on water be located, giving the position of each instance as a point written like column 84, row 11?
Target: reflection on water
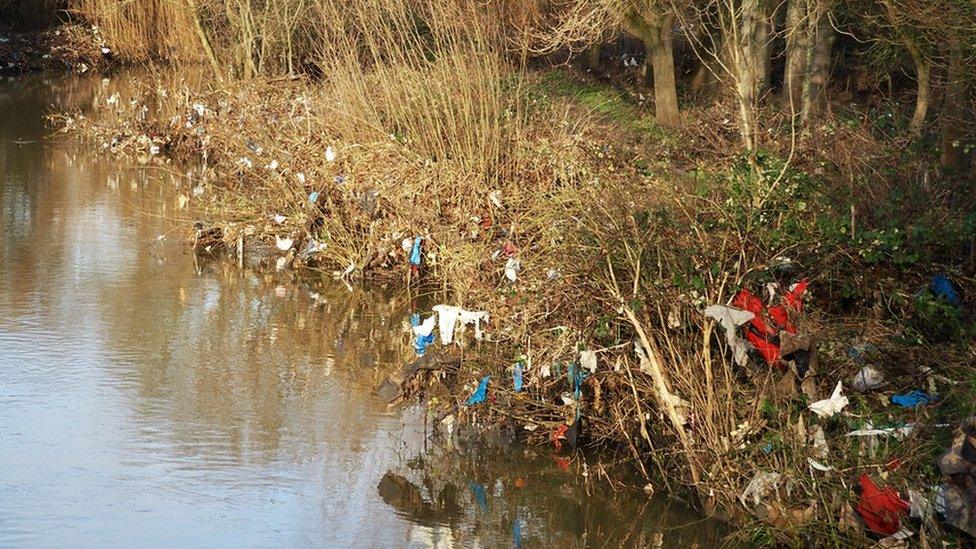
column 147, row 398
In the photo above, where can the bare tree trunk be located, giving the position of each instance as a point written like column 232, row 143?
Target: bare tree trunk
column 953, row 156
column 764, row 50
column 818, row 70
column 662, row 60
column 923, row 72
column 656, row 31
column 797, row 46
column 741, row 23
column 809, row 43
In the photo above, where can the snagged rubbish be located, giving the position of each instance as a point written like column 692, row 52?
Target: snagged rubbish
column 913, row 399
column 474, row 317
column 919, row 506
column 800, row 353
column 479, row 394
column 768, row 322
column 512, row 268
column 759, row 486
column 819, row 466
column 869, row 431
column 942, row 287
column 588, row 360
column 313, row 197
column 284, row 244
column 895, row 541
column 423, row 332
column 576, row 376
column 819, row 442
column 517, row 533
column 559, row 435
column 730, row 319
column 415, row 252
column 569, row 433
column 880, row 509
column 517, row 372
column 330, row 154
column 831, row 406
column 313, row 247
column 857, row 352
column 867, row 379
column 279, row 219
column 573, row 433
column 281, row 263
column 562, row 463
column 447, row 317
column 509, row 249
column 496, row 198
column 957, row 496
column 480, row 497
column 393, row 387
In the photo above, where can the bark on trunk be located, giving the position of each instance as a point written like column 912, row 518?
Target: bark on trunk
column 923, row 73
column 797, row 40
column 662, row 61
column 809, row 44
column 744, row 54
column 656, row 30
column 953, row 156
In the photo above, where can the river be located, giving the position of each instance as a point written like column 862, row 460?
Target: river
column 151, row 399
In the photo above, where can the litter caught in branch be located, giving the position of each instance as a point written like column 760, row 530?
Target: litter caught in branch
column 730, row 319
column 479, row 395
column 833, row 405
column 867, row 379
column 512, row 268
column 423, row 333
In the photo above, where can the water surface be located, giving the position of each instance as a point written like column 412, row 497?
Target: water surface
column 151, row 399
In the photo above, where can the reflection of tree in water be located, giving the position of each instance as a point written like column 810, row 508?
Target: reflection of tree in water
column 500, row 487
column 237, row 364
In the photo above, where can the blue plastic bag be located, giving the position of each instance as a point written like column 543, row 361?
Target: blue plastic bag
column 517, row 376
column 313, row 197
column 943, row 287
column 480, row 497
column 421, row 343
column 576, row 376
column 912, row 399
column 479, row 395
column 415, row 252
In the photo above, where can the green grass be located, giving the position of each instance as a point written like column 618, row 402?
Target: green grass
column 603, row 100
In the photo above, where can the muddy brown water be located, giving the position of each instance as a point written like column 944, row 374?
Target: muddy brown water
column 149, row 399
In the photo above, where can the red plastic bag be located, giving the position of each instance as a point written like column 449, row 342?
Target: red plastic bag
column 763, row 330
column 881, row 509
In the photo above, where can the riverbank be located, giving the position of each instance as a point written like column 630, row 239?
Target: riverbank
column 604, row 233
column 73, row 48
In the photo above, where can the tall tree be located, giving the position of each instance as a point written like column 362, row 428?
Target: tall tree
column 809, row 43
